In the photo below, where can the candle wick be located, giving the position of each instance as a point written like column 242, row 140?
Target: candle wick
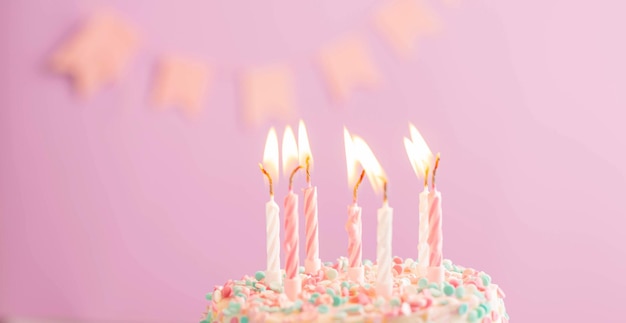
column 308, row 168
column 435, row 169
column 293, row 173
column 385, row 191
column 356, row 186
column 269, row 178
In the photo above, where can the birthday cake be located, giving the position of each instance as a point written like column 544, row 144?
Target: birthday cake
column 465, row 295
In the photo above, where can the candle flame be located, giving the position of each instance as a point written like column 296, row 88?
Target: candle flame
column 270, row 155
column 290, row 151
column 351, row 158
column 306, row 158
column 419, row 154
column 374, row 171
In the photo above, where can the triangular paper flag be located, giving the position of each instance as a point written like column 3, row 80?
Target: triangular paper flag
column 347, row 65
column 97, row 53
column 402, row 22
column 182, row 82
column 267, row 92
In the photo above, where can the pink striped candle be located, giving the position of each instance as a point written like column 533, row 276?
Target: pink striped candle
column 292, row 238
column 312, row 263
column 354, row 226
column 435, row 232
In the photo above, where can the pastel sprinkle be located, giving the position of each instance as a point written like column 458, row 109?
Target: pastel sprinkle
column 336, row 300
column 259, row 275
column 460, row 292
column 209, row 297
column 244, row 319
column 323, row 308
column 463, row 309
column 486, row 279
column 422, row 283
column 331, row 273
column 472, row 316
column 448, row 290
column 234, row 320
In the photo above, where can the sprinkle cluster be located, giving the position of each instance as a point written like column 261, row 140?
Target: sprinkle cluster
column 465, row 295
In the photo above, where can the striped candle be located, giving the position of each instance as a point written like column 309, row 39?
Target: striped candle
column 312, row 263
column 435, row 233
column 354, row 227
column 423, row 248
column 292, row 238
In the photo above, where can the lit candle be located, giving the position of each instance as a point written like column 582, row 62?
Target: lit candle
column 376, row 177
column 312, row 263
column 292, row 261
column 435, row 233
column 269, row 167
column 354, row 226
column 420, row 157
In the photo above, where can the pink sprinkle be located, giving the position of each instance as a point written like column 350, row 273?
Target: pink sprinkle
column 494, row 315
column 501, row 293
column 454, row 283
column 363, row 299
column 397, row 260
column 234, row 320
column 227, row 291
column 397, row 269
column 320, row 289
column 486, row 319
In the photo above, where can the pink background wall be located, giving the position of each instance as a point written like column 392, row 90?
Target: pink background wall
column 112, row 210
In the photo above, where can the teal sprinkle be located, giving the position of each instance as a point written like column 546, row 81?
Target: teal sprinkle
column 336, row 301
column 259, row 275
column 330, row 291
column 344, row 300
column 506, row 315
column 243, row 319
column 462, row 309
column 204, row 321
column 422, row 283
column 314, row 297
column 480, row 312
column 209, row 297
column 367, row 286
column 301, row 269
column 227, row 312
column 460, row 292
column 237, row 289
column 472, row 317
column 234, row 306
column 323, row 309
column 395, row 302
column 433, row 286
column 479, row 295
column 250, row 282
column 354, row 308
column 486, row 279
column 345, row 284
column 486, row 307
column 261, row 287
column 367, row 262
column 435, row 292
column 287, row 310
column 448, row 290
column 297, row 304
column 242, row 295
column 447, row 264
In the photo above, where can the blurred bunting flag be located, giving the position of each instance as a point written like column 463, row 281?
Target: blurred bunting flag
column 97, row 53
column 267, row 93
column 402, row 22
column 182, row 82
column 347, row 65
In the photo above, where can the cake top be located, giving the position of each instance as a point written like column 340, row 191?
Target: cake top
column 465, row 294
